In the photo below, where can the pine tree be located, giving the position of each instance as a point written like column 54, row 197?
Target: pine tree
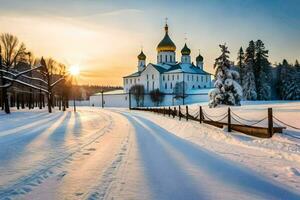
column 289, row 87
column 241, row 64
column 262, row 72
column 227, row 90
column 248, row 79
column 297, row 66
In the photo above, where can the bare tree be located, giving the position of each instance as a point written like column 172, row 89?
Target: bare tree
column 138, row 92
column 51, row 71
column 157, row 96
column 13, row 51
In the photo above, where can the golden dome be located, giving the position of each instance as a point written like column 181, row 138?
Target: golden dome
column 142, row 56
column 166, row 44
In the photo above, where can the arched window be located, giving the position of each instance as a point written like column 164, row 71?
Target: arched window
column 153, row 85
column 160, row 58
column 170, row 58
column 163, row 77
column 166, row 86
column 166, row 58
column 177, row 76
column 171, row 86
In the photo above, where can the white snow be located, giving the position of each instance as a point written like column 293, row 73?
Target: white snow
column 121, row 154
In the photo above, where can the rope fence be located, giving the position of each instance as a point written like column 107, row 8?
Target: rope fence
column 264, row 127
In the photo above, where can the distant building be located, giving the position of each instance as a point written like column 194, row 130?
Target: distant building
column 167, row 71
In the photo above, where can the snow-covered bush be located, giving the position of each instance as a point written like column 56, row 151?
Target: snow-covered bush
column 227, row 90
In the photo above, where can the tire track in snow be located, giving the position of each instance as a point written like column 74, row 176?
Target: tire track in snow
column 25, row 184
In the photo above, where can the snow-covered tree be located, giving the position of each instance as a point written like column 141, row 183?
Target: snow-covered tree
column 241, row 64
column 227, row 90
column 288, row 83
column 262, row 72
column 248, row 79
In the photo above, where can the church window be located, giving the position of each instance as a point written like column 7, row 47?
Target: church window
column 168, row 77
column 193, row 87
column 166, row 86
column 153, row 85
column 161, row 58
column 204, row 86
column 147, row 76
column 173, row 77
column 147, row 86
column 130, row 81
column 163, row 77
column 192, row 77
column 197, row 78
column 177, row 76
column 188, row 77
column 199, row 86
column 171, row 86
column 152, row 76
column 201, row 78
column 170, row 58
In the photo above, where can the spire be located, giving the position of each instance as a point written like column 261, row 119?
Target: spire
column 166, row 26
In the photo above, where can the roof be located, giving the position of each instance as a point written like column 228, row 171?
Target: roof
column 173, row 68
column 136, row 74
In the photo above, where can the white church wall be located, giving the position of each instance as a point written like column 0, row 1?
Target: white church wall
column 151, row 77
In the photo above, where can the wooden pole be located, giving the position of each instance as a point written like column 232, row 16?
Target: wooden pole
column 175, row 112
column 102, row 99
column 270, row 122
column 229, row 120
column 187, row 113
column 129, row 99
column 200, row 114
column 179, row 114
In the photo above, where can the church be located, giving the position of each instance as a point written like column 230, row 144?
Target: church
column 167, row 72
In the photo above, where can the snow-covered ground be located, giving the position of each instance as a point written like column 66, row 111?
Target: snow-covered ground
column 121, row 154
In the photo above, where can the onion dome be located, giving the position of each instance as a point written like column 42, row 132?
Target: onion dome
column 185, row 51
column 166, row 44
column 199, row 58
column 142, row 56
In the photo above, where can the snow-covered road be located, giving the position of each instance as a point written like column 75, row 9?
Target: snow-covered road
column 117, row 154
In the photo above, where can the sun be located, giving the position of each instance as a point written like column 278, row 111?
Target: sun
column 74, row 70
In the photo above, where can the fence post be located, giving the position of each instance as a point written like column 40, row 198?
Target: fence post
column 179, row 114
column 175, row 112
column 229, row 120
column 129, row 98
column 169, row 111
column 187, row 113
column 200, row 114
column 270, row 122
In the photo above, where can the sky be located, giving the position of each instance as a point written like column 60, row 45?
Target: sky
column 104, row 37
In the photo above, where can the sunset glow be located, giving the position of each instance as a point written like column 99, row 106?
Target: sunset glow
column 74, row 70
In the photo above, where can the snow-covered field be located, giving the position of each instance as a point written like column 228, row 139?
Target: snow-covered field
column 121, row 154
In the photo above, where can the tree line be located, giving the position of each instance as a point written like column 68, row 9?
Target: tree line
column 262, row 81
column 29, row 80
column 253, row 78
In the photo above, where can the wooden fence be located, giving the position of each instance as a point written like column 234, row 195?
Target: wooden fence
column 225, row 120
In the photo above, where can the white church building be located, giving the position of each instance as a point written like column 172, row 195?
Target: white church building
column 163, row 75
column 168, row 71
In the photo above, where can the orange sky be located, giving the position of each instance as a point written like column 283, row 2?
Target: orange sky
column 104, row 38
